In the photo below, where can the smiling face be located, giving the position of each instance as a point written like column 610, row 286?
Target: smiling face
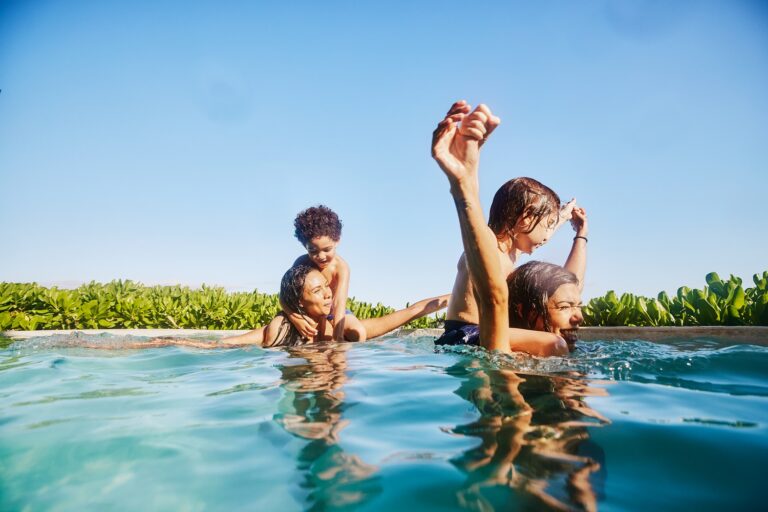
column 322, row 251
column 564, row 309
column 316, row 296
column 528, row 240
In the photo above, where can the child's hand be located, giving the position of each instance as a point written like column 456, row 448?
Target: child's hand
column 579, row 221
column 566, row 213
column 306, row 326
column 457, row 139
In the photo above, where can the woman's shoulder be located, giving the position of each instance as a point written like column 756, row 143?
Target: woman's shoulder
column 278, row 331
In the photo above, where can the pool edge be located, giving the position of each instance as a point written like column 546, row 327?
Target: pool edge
column 756, row 335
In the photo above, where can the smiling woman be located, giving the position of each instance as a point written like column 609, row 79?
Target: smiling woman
column 545, row 297
column 306, row 291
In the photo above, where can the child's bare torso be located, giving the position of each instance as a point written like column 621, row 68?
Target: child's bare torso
column 331, row 272
column 463, row 306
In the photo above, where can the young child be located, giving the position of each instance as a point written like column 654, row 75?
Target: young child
column 524, row 214
column 319, row 230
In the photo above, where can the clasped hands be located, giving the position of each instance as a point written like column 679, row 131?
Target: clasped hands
column 458, row 137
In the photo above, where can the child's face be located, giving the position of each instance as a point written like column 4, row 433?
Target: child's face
column 529, row 242
column 322, row 251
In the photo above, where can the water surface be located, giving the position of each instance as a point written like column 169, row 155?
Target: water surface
column 379, row 425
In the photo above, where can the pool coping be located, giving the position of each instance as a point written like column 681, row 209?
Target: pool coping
column 754, row 335
column 751, row 335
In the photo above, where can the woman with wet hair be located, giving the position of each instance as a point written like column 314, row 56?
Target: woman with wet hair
column 532, row 288
column 305, row 290
column 538, row 296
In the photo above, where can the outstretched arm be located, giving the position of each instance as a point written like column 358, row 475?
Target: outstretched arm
column 254, row 337
column 375, row 327
column 577, row 259
column 456, row 148
column 264, row 336
column 161, row 341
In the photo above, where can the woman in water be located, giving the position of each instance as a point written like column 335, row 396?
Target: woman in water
column 305, row 290
column 544, row 297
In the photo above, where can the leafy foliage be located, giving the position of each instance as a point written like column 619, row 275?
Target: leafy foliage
column 719, row 303
column 126, row 305
column 130, row 305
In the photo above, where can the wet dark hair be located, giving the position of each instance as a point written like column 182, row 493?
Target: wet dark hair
column 291, row 290
column 517, row 198
column 292, row 286
column 530, row 287
column 317, row 221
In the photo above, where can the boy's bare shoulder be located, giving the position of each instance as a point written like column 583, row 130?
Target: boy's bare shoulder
column 342, row 263
column 338, row 268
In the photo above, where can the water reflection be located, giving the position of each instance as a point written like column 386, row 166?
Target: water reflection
column 312, row 409
column 534, row 446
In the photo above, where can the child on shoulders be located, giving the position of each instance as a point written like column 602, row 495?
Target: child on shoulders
column 318, row 229
column 524, row 215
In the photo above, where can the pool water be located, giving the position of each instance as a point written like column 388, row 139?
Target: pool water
column 382, row 425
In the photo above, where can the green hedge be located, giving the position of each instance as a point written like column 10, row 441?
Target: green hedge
column 127, row 305
column 719, row 303
column 130, row 305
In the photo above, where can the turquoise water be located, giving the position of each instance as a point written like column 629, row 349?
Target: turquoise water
column 374, row 426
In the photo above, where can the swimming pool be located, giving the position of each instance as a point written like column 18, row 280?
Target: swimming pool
column 628, row 425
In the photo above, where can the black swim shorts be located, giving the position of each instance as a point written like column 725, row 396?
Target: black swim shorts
column 459, row 333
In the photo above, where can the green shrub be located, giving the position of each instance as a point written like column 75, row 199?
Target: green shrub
column 719, row 303
column 129, row 305
column 126, row 304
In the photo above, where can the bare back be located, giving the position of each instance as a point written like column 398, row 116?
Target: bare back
column 463, row 304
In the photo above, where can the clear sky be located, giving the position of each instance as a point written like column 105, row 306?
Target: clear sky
column 174, row 142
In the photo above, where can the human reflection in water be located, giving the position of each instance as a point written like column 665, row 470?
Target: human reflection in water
column 312, row 408
column 534, row 442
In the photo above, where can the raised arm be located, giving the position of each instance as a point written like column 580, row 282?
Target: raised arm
column 456, row 148
column 577, row 259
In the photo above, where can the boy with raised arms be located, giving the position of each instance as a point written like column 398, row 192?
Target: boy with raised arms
column 523, row 216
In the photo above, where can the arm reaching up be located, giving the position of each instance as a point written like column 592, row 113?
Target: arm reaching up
column 577, row 259
column 456, row 148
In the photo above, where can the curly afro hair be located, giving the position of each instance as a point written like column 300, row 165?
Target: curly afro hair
column 317, row 221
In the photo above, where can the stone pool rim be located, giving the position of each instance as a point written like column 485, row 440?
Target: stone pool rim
column 754, row 335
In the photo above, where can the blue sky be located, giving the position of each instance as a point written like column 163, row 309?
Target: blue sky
column 174, row 142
